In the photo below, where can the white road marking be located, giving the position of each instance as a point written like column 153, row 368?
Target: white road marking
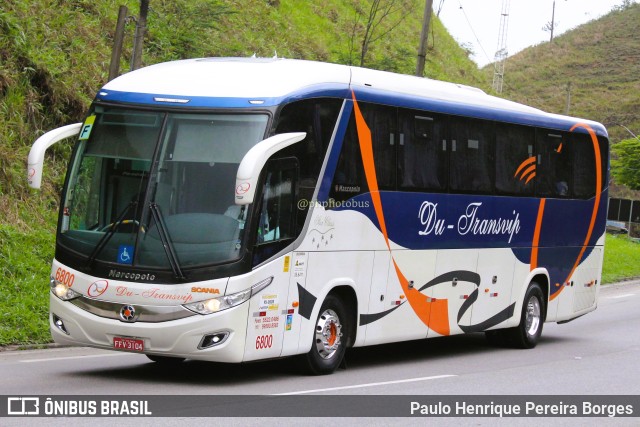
column 410, row 380
column 622, row 296
column 52, row 359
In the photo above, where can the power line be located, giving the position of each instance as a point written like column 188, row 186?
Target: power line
column 473, row 31
column 501, row 50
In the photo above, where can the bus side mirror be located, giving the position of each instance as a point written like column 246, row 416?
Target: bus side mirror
column 35, row 161
column 255, row 159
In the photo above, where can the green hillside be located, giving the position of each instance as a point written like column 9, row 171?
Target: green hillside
column 598, row 63
column 54, row 55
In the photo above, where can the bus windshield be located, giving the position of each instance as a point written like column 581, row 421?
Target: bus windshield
column 154, row 189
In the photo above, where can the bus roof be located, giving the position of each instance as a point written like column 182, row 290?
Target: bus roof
column 255, row 82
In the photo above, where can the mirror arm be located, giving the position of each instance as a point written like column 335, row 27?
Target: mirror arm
column 35, row 161
column 255, row 159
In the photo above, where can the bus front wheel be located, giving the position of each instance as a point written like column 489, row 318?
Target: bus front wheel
column 329, row 338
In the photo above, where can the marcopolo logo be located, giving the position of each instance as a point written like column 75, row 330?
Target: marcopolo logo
column 125, row 275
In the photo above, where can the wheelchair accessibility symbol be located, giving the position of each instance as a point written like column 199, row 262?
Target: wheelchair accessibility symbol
column 125, row 254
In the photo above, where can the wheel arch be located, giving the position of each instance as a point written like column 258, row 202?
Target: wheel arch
column 342, row 288
column 349, row 297
column 543, row 281
column 541, row 277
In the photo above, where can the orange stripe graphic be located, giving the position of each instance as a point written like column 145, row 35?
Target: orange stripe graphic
column 536, row 236
column 533, row 175
column 434, row 314
column 523, row 165
column 596, row 203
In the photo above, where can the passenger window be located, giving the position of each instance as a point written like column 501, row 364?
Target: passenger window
column 384, row 135
column 421, row 152
column 471, row 161
column 349, row 179
column 553, row 170
column 584, row 170
column 515, row 160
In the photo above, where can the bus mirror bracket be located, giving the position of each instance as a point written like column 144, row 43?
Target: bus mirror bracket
column 255, row 159
column 35, row 162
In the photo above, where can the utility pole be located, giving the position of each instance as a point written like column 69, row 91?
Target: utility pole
column 501, row 51
column 116, row 53
column 422, row 51
column 138, row 40
column 553, row 18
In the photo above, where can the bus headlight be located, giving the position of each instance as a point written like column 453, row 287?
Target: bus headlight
column 62, row 291
column 217, row 304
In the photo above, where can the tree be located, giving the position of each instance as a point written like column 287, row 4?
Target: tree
column 382, row 17
column 625, row 167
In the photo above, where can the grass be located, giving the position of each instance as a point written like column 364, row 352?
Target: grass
column 25, row 265
column 621, row 259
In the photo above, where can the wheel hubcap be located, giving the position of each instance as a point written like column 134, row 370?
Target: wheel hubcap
column 328, row 334
column 532, row 318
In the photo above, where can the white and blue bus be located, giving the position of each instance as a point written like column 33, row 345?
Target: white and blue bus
column 231, row 210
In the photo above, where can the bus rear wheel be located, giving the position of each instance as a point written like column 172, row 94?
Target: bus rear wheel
column 329, row 338
column 527, row 333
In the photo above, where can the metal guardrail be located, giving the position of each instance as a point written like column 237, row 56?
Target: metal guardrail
column 624, row 214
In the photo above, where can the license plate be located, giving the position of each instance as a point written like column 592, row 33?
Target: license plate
column 129, row 344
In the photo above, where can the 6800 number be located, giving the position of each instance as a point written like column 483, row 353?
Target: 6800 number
column 264, row 341
column 63, row 276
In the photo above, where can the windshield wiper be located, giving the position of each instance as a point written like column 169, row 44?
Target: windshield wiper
column 107, row 236
column 167, row 244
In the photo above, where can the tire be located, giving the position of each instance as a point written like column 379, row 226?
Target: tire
column 165, row 360
column 527, row 333
column 330, row 338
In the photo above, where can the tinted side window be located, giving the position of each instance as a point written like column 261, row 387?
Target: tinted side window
column 515, row 161
column 422, row 152
column 553, row 170
column 604, row 158
column 316, row 117
column 471, row 160
column 584, row 166
column 276, row 220
column 349, row 179
column 382, row 122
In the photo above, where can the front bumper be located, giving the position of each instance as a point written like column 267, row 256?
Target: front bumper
column 174, row 338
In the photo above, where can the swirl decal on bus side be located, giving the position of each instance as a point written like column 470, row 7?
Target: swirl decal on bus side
column 433, row 313
column 462, row 275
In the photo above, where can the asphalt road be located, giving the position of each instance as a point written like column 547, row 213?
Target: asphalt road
column 597, row 354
